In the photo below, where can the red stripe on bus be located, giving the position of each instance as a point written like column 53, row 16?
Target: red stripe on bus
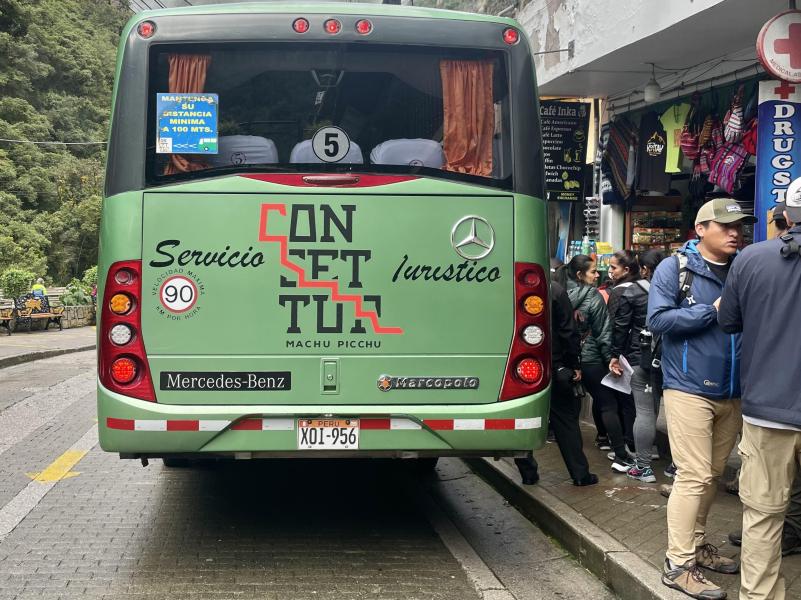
column 439, row 424
column 183, row 425
column 374, row 423
column 297, row 179
column 304, row 283
column 127, row 424
column 499, row 424
column 248, row 425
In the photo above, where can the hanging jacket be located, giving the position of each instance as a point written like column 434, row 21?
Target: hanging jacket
column 628, row 309
column 588, row 301
column 697, row 356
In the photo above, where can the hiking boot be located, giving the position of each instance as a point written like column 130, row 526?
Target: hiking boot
column 736, row 537
column 708, row 557
column 670, row 471
column 622, row 465
column 644, row 474
column 665, row 490
column 690, row 580
column 603, row 443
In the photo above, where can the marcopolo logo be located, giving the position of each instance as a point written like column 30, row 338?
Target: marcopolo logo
column 389, row 382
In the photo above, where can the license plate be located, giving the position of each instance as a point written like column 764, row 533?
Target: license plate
column 328, row 434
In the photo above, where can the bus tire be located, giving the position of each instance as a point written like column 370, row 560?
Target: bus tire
column 425, row 466
column 172, row 462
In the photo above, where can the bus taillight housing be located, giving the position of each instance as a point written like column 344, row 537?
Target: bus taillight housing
column 528, row 368
column 122, row 361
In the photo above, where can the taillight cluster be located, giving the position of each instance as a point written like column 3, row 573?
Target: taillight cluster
column 332, row 26
column 528, row 369
column 122, row 362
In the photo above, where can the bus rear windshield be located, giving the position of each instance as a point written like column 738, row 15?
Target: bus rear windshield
column 223, row 109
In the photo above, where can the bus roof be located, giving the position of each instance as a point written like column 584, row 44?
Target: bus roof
column 344, row 8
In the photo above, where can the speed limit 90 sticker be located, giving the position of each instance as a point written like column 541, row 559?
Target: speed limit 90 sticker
column 178, row 293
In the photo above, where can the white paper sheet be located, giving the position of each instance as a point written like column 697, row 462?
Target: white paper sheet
column 622, row 383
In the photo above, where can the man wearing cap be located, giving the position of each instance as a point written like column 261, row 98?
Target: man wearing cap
column 761, row 301
column 777, row 218
column 700, row 366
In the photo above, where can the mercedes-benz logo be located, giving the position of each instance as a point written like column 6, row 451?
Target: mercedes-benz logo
column 476, row 237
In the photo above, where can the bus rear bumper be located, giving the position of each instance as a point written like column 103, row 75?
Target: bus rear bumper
column 140, row 429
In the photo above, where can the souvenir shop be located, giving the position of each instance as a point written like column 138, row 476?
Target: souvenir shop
column 659, row 163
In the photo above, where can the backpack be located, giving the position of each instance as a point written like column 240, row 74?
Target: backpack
column 650, row 344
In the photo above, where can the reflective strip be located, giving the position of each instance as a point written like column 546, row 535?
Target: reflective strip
column 404, row 424
column 533, row 423
column 212, row 425
column 126, row 424
column 150, row 425
column 182, row 425
column 468, row 424
column 278, row 424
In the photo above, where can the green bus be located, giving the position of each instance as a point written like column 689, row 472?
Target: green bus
column 323, row 234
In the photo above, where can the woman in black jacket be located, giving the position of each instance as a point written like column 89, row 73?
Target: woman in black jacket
column 628, row 310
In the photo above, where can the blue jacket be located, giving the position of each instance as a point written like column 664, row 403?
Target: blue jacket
column 697, row 356
column 761, row 299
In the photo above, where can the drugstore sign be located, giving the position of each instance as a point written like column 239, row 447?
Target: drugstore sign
column 778, row 148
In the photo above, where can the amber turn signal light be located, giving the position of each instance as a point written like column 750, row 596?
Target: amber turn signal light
column 120, row 304
column 533, row 305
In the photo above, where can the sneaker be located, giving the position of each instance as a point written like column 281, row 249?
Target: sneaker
column 670, row 470
column 603, row 443
column 736, row 537
column 690, row 580
column 622, row 465
column 708, row 557
column 646, row 475
column 629, row 453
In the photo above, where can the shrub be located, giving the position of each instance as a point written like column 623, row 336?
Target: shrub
column 76, row 295
column 16, row 282
column 90, row 277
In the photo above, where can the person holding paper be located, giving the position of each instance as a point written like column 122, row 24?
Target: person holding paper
column 628, row 305
column 700, row 366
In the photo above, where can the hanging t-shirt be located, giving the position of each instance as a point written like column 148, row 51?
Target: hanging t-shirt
column 673, row 121
column 651, row 155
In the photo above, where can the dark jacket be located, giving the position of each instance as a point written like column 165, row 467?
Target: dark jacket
column 589, row 302
column 697, row 356
column 761, row 299
column 628, row 310
column 565, row 340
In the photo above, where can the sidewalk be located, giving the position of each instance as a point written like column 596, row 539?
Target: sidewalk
column 23, row 346
column 626, row 516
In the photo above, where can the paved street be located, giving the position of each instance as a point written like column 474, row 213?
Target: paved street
column 76, row 522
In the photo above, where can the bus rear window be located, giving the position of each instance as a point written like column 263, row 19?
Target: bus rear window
column 329, row 107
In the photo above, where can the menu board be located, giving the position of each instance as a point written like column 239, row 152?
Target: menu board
column 564, row 145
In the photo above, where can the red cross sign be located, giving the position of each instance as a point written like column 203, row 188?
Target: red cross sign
column 779, row 46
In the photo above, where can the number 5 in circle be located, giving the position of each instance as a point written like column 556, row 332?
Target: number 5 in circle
column 330, row 144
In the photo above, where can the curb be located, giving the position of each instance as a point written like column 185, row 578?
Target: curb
column 628, row 575
column 18, row 359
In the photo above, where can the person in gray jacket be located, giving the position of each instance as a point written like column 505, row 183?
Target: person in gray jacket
column 761, row 300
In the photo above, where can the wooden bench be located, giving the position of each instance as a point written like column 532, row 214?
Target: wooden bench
column 6, row 318
column 31, row 307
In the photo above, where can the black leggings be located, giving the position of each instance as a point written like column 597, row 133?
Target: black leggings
column 617, row 410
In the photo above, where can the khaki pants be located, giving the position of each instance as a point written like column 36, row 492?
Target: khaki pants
column 702, row 434
column 770, row 458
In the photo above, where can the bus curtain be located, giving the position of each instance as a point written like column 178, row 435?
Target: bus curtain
column 469, row 116
column 187, row 76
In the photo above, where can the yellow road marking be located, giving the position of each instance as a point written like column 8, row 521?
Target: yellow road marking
column 60, row 468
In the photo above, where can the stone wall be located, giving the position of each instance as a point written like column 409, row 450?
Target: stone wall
column 78, row 316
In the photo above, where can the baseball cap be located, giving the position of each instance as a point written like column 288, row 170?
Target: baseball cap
column 793, row 201
column 725, row 210
column 778, row 212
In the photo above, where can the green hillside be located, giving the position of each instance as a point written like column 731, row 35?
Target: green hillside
column 56, row 74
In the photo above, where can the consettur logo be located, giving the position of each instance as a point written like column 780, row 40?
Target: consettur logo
column 708, row 383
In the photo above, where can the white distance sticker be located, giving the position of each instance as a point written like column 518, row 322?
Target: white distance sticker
column 178, row 294
column 330, row 144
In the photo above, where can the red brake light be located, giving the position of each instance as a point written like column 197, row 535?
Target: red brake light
column 528, row 368
column 300, row 25
column 332, row 26
column 363, row 26
column 146, row 29
column 123, row 368
column 511, row 36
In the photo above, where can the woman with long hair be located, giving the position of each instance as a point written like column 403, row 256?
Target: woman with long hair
column 628, row 310
column 579, row 277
